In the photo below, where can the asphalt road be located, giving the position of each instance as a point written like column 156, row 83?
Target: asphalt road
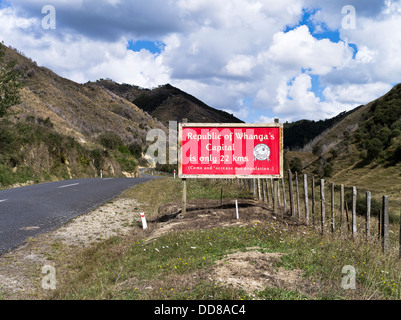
column 28, row 211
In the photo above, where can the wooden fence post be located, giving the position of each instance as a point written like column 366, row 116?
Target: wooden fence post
column 323, row 205
column 400, row 239
column 184, row 197
column 272, row 190
column 341, row 208
column 354, row 228
column 267, row 192
column 368, row 208
column 379, row 226
column 292, row 209
column 264, row 190
column 333, row 227
column 278, row 193
column 385, row 224
column 284, row 196
column 297, row 193
column 184, row 188
column 306, row 199
column 346, row 212
column 275, row 196
column 313, row 201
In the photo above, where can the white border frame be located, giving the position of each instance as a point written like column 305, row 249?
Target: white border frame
column 230, row 125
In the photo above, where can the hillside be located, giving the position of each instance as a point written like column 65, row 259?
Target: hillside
column 167, row 103
column 363, row 149
column 299, row 133
column 66, row 130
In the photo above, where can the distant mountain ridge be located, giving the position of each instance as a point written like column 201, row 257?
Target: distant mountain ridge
column 167, row 103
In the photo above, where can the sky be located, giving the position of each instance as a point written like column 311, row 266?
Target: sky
column 256, row 59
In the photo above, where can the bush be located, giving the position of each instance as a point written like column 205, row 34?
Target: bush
column 296, row 165
column 328, row 171
column 136, row 150
column 317, row 150
column 374, row 147
column 124, row 150
column 98, row 158
column 395, row 133
column 397, row 154
column 110, row 140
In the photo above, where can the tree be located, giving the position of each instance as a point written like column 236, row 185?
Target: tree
column 9, row 83
column 110, row 140
column 328, row 171
column 373, row 148
column 296, row 165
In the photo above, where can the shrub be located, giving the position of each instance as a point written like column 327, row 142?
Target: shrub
column 124, row 150
column 328, row 171
column 317, row 150
column 110, row 140
column 374, row 147
column 296, row 165
column 136, row 150
column 397, row 154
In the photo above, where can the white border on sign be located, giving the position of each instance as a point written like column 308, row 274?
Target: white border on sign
column 230, row 125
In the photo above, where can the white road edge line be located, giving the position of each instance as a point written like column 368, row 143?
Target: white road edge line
column 3, row 200
column 107, row 178
column 69, row 185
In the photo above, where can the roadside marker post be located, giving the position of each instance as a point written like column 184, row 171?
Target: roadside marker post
column 144, row 224
column 236, row 209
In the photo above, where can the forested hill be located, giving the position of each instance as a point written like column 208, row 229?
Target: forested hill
column 298, row 134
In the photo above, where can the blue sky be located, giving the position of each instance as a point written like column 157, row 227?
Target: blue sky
column 155, row 47
column 257, row 59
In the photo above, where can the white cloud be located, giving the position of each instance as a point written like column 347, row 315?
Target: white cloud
column 297, row 100
column 356, row 94
column 222, row 52
column 379, row 44
column 298, row 49
column 240, row 66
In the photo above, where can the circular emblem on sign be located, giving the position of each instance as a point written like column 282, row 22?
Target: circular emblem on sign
column 261, row 152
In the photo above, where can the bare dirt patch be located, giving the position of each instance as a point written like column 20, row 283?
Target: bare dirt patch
column 207, row 214
column 251, row 270
column 254, row 271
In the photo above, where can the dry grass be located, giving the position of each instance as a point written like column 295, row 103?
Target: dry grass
column 208, row 254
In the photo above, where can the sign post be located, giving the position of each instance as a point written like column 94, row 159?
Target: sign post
column 244, row 151
column 184, row 189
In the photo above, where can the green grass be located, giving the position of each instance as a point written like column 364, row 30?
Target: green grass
column 168, row 264
column 178, row 265
column 156, row 193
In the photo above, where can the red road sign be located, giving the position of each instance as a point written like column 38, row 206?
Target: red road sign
column 230, row 150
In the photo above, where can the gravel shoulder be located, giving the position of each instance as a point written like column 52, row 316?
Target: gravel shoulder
column 22, row 270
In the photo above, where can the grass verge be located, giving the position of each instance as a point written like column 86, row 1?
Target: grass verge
column 180, row 265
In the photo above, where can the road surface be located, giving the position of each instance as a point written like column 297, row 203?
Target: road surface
column 28, row 211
